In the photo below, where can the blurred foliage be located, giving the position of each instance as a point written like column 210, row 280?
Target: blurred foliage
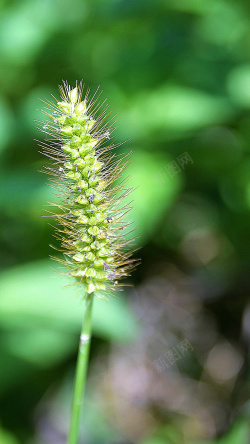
column 178, row 73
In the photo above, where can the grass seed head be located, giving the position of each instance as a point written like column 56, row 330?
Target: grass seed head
column 89, row 216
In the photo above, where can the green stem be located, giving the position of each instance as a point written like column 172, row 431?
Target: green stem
column 81, row 371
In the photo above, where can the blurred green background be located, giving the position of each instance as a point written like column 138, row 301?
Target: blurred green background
column 169, row 362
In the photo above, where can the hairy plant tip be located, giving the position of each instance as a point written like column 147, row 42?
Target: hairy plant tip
column 90, row 214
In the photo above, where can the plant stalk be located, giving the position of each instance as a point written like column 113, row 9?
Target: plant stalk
column 81, row 372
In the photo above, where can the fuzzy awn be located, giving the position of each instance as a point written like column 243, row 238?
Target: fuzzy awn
column 90, row 214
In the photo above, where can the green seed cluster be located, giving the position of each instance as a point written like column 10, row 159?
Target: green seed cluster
column 88, row 223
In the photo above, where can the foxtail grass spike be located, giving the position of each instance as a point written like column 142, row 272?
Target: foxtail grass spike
column 89, row 217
